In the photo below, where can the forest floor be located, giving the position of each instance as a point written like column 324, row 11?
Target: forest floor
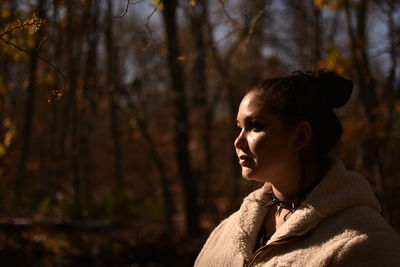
column 96, row 243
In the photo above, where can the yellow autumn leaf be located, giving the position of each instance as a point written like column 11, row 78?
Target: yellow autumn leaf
column 3, row 150
column 333, row 4
column 5, row 13
column 333, row 54
column 319, row 3
column 158, row 4
column 34, row 23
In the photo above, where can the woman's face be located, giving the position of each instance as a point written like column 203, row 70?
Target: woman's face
column 264, row 147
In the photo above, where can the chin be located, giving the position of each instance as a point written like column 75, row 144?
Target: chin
column 249, row 174
column 246, row 173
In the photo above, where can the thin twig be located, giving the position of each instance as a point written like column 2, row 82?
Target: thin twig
column 234, row 23
column 127, row 8
column 253, row 24
column 148, row 19
column 42, row 42
column 259, row 16
column 55, row 68
column 124, row 12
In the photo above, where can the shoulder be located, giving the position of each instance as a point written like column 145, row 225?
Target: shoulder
column 232, row 240
column 223, row 230
column 374, row 248
column 363, row 238
column 360, row 221
column 220, row 237
column 363, row 220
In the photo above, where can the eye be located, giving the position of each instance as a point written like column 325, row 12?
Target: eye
column 256, row 127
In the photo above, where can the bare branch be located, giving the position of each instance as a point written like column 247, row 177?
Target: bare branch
column 245, row 35
column 149, row 17
column 126, row 8
column 226, row 36
column 42, row 42
column 124, row 12
column 234, row 23
column 253, row 23
column 56, row 93
column 259, row 16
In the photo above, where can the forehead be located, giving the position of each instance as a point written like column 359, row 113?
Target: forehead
column 252, row 106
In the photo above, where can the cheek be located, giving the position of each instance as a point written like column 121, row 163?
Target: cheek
column 259, row 144
column 252, row 139
column 268, row 149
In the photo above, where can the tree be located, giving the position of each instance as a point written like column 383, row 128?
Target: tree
column 29, row 106
column 113, row 88
column 181, row 127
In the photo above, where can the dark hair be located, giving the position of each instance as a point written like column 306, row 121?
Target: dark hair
column 309, row 96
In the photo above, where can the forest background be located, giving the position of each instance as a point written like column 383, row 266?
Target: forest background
column 117, row 118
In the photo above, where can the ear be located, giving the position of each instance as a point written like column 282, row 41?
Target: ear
column 302, row 135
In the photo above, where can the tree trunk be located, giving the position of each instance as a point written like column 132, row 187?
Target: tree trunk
column 176, row 73
column 317, row 44
column 372, row 156
column 29, row 108
column 358, row 38
column 199, row 81
column 113, row 77
column 223, row 67
column 53, row 158
column 89, row 87
column 389, row 94
column 300, row 30
column 72, row 105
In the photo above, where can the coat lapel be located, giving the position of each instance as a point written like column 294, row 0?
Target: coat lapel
column 249, row 220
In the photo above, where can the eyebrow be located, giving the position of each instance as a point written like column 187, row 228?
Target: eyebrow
column 251, row 118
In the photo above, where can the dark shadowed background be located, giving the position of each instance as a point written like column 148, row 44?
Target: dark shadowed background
column 117, row 118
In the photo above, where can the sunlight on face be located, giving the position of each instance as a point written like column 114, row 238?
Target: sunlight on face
column 263, row 145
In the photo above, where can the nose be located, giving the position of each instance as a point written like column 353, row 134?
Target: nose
column 240, row 141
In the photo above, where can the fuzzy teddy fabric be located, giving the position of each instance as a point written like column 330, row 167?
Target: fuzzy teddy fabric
column 338, row 224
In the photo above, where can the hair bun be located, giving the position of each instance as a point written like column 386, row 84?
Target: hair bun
column 334, row 90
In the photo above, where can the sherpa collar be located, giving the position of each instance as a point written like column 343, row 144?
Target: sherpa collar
column 340, row 189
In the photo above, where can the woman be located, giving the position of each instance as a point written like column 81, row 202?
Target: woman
column 311, row 210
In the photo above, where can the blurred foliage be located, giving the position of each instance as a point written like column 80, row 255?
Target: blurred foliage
column 93, row 172
column 333, row 4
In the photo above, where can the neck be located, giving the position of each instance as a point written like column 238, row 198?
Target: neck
column 308, row 174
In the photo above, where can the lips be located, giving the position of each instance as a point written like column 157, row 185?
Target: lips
column 246, row 161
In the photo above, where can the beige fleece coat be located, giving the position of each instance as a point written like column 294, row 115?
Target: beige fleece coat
column 338, row 224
